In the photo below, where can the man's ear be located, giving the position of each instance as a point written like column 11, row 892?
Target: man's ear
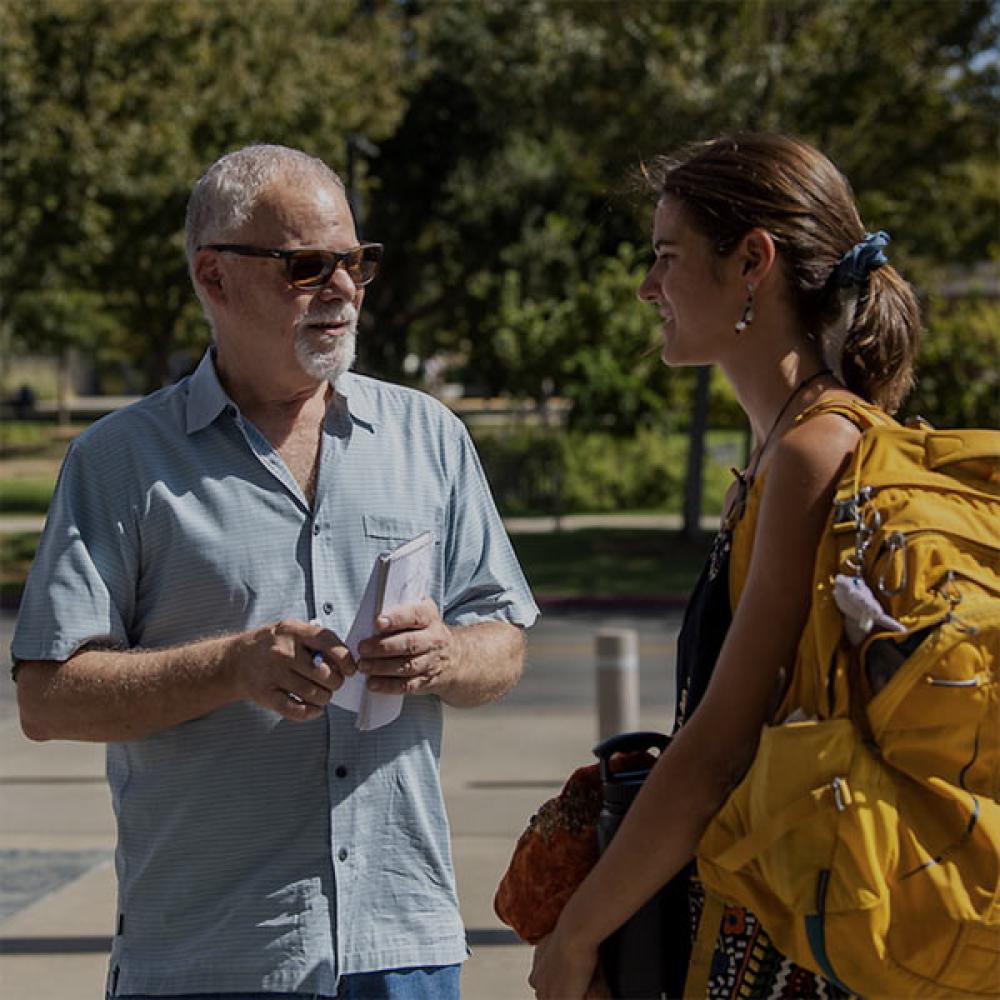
column 757, row 255
column 208, row 275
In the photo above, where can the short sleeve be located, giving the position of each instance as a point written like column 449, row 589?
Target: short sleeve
column 82, row 583
column 483, row 580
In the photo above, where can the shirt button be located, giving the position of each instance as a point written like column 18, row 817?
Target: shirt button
column 342, row 854
column 316, row 529
column 341, row 772
column 327, row 608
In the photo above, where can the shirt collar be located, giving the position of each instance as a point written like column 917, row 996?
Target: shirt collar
column 207, row 399
column 352, row 393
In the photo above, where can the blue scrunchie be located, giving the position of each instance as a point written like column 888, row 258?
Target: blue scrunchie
column 863, row 258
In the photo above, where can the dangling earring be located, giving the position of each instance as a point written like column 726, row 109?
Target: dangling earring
column 747, row 318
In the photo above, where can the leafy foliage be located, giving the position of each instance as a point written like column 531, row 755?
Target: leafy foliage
column 544, row 470
column 505, row 131
column 111, row 110
column 505, row 179
column 958, row 380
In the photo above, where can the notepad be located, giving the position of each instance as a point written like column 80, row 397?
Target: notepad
column 398, row 578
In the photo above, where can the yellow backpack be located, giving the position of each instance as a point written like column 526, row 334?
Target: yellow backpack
column 866, row 834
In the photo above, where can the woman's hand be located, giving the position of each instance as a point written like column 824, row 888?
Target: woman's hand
column 562, row 970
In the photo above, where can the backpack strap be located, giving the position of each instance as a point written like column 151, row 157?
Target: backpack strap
column 862, row 415
column 700, row 963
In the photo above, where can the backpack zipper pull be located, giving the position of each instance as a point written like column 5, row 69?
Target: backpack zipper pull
column 948, row 589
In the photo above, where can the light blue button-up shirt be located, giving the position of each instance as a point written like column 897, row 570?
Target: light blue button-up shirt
column 255, row 853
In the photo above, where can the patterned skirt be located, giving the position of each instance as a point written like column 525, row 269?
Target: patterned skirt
column 747, row 966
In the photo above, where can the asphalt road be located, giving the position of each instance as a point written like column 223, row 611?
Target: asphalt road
column 499, row 762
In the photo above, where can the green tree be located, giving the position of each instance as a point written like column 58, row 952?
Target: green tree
column 528, row 116
column 504, row 180
column 589, row 346
column 505, row 130
column 110, row 111
column 958, row 378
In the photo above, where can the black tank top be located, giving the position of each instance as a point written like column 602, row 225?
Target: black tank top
column 707, row 618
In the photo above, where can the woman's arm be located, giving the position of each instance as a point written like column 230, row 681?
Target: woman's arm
column 707, row 757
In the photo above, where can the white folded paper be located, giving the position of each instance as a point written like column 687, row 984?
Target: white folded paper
column 398, row 578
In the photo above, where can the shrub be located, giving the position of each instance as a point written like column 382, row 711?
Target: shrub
column 958, row 381
column 536, row 470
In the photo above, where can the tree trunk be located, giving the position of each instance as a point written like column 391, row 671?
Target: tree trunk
column 696, row 454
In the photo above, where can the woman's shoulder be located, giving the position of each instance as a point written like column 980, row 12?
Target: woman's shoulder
column 830, row 424
column 847, row 407
column 811, row 455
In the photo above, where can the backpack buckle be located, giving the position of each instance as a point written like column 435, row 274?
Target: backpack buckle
column 845, row 511
column 841, row 794
column 848, row 510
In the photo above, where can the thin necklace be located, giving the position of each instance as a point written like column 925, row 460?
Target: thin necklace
column 751, row 468
column 746, row 478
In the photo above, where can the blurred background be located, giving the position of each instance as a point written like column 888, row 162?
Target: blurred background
column 493, row 146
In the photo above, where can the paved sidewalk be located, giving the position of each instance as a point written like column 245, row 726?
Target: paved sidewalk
column 14, row 524
column 498, row 766
column 499, row 763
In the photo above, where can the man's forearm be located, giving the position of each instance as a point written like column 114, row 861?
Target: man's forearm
column 488, row 661
column 290, row 667
column 106, row 696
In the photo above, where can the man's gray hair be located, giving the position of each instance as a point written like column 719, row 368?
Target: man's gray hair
column 225, row 196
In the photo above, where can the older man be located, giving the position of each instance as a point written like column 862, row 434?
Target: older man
column 204, row 557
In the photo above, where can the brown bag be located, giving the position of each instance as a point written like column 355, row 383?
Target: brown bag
column 555, row 852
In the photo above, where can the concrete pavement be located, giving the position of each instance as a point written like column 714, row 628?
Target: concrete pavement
column 499, row 763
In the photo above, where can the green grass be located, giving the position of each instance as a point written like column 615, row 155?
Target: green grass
column 610, row 562
column 595, row 562
column 25, row 496
column 583, row 563
column 16, row 554
column 38, row 438
column 32, row 496
column 31, row 452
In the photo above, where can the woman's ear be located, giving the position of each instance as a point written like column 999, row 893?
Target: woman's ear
column 757, row 255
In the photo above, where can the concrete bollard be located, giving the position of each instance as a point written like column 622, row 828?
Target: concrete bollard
column 617, row 652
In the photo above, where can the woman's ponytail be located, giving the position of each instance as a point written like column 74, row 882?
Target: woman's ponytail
column 882, row 342
column 873, row 337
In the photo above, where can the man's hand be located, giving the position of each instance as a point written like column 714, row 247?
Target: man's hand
column 291, row 667
column 413, row 652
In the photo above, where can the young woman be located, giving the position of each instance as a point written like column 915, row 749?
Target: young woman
column 763, row 267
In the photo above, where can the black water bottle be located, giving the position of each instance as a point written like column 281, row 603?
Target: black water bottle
column 647, row 957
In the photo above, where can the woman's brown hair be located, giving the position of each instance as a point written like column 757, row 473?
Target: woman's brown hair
column 736, row 183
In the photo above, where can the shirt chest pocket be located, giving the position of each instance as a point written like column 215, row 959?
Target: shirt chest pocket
column 388, row 531
column 384, row 532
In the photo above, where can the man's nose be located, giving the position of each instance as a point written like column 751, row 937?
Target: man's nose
column 339, row 285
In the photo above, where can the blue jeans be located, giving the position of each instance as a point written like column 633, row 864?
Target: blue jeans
column 432, row 982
